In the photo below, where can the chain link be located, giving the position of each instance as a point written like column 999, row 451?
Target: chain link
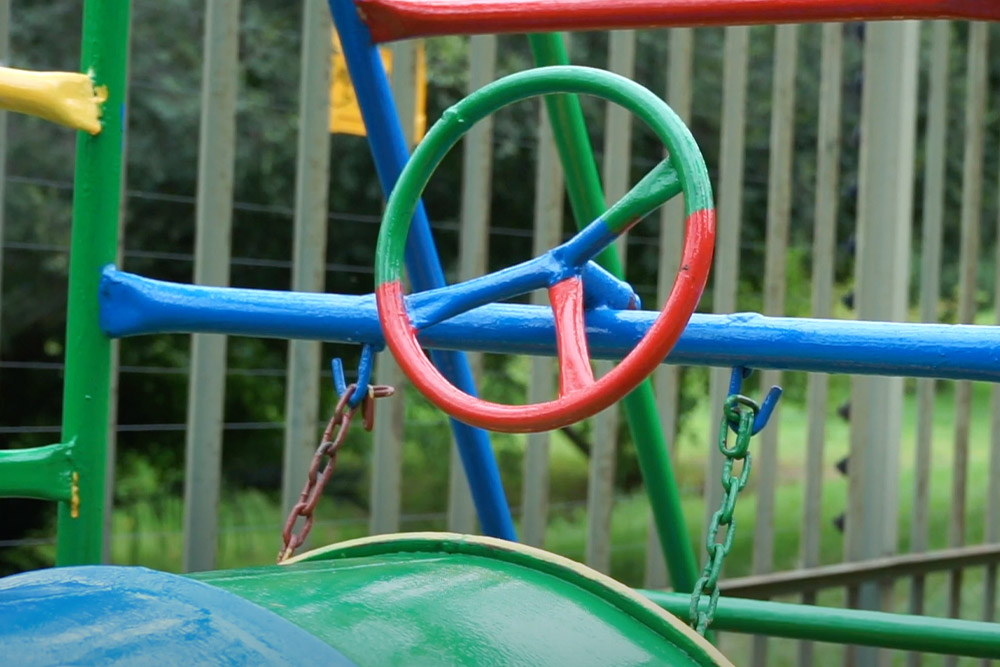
column 333, row 437
column 740, row 412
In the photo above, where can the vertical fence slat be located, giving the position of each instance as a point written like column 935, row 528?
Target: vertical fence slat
column 680, row 65
column 725, row 271
column 972, row 194
column 888, row 125
column 207, row 382
column 115, row 375
column 403, row 83
column 779, row 203
column 4, row 60
column 992, row 532
column 930, row 287
column 390, row 418
column 477, row 167
column 474, row 240
column 302, row 389
column 823, row 249
column 387, row 450
column 115, row 367
column 617, row 158
column 618, row 126
column 548, row 231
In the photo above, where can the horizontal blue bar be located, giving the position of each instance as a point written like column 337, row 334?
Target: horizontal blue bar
column 132, row 305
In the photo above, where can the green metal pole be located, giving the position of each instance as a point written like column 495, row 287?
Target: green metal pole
column 212, row 252
column 845, row 626
column 96, row 196
column 587, row 199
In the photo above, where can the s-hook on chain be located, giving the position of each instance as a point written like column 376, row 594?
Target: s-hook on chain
column 333, row 437
column 746, row 418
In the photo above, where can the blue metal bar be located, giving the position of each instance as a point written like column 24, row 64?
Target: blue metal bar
column 132, row 305
column 388, row 147
column 428, row 308
column 602, row 288
column 586, row 244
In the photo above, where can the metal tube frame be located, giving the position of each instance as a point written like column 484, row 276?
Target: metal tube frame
column 403, row 19
column 845, row 626
column 131, row 305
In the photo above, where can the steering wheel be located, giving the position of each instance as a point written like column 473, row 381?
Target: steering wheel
column 560, row 270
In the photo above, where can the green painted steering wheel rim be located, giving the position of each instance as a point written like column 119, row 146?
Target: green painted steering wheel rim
column 685, row 155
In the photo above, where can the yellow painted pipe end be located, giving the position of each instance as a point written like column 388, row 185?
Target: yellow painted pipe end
column 67, row 98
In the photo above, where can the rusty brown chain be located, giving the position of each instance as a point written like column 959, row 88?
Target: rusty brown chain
column 333, row 437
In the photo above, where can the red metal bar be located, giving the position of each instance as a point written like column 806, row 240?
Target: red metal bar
column 401, row 19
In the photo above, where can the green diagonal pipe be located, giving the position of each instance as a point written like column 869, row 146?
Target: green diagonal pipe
column 587, row 200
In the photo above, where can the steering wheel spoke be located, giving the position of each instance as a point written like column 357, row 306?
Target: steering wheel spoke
column 575, row 372
column 432, row 306
column 656, row 188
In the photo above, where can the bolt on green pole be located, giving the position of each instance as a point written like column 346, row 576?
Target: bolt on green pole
column 96, row 197
column 583, row 186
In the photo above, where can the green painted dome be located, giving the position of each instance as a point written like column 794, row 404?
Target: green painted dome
column 446, row 599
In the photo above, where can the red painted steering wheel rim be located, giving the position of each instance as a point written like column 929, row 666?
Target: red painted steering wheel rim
column 582, row 397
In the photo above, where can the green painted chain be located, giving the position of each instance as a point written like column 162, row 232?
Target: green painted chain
column 739, row 411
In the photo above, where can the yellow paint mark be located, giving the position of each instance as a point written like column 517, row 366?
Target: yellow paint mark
column 345, row 115
column 67, row 98
column 74, row 497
